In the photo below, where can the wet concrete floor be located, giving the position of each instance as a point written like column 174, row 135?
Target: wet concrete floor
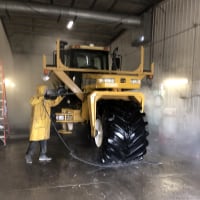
column 159, row 176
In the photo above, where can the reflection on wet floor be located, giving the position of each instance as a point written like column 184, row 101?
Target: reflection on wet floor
column 166, row 173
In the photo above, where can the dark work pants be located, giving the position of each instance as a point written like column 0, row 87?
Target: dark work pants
column 32, row 147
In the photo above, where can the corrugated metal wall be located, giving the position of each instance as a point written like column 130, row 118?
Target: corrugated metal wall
column 175, row 50
column 176, row 53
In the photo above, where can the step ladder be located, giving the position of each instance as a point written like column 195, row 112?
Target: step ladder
column 4, row 128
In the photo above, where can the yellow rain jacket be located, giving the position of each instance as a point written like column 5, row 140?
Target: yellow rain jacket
column 40, row 126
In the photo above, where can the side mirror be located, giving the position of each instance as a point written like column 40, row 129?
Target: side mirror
column 117, row 64
column 116, row 60
column 63, row 44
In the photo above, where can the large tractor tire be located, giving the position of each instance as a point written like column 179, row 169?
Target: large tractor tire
column 124, row 132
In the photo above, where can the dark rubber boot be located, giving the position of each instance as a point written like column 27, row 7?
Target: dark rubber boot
column 43, row 150
column 30, row 152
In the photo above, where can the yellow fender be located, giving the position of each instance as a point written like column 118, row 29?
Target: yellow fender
column 96, row 95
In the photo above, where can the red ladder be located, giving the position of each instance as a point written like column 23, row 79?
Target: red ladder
column 4, row 128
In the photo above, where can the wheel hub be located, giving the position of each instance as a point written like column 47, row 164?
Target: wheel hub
column 99, row 133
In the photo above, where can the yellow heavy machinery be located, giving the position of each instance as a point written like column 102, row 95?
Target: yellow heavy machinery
column 105, row 98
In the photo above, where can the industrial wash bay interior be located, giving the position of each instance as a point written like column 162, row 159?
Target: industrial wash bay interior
column 111, row 59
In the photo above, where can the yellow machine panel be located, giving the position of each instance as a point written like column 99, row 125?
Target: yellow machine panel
column 106, row 97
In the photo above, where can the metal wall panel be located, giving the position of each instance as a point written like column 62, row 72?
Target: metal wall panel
column 176, row 54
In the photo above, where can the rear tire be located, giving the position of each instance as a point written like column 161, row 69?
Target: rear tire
column 124, row 131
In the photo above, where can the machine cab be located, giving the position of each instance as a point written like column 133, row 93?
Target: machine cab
column 84, row 57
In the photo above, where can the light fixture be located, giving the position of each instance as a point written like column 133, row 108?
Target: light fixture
column 175, row 82
column 46, row 75
column 70, row 24
column 141, row 38
column 9, row 83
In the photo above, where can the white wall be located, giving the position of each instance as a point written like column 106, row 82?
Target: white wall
column 28, row 73
column 176, row 55
column 130, row 55
column 24, row 67
column 175, row 52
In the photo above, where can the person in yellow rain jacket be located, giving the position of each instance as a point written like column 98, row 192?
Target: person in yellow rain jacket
column 40, row 125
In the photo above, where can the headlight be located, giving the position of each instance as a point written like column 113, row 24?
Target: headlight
column 106, row 80
column 134, row 81
column 60, row 117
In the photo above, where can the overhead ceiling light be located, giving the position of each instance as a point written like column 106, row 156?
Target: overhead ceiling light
column 70, row 24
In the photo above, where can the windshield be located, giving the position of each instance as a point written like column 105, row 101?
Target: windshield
column 81, row 58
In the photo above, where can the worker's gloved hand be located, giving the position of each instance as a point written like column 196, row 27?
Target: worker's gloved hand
column 51, row 94
column 47, row 96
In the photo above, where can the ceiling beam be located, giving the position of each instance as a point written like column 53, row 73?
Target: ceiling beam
column 92, row 4
column 72, row 3
column 51, row 2
column 141, row 2
column 112, row 5
column 151, row 5
column 76, row 35
column 24, row 27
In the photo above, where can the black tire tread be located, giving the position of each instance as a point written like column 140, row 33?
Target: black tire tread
column 124, row 128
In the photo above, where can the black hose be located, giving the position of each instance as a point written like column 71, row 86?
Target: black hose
column 114, row 165
column 67, row 146
column 85, row 161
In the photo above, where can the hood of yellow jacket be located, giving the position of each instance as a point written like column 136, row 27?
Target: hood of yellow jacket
column 41, row 90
